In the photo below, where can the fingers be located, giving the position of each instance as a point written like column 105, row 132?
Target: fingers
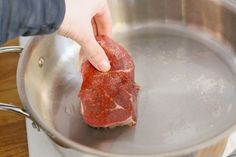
column 104, row 22
column 96, row 55
column 94, row 52
column 95, row 32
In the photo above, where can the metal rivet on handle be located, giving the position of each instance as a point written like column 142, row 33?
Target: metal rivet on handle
column 41, row 62
column 35, row 126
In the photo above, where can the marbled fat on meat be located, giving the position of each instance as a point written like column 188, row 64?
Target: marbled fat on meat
column 109, row 99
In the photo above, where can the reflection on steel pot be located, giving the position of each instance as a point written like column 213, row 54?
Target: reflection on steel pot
column 184, row 52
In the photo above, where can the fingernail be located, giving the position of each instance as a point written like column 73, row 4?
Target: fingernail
column 104, row 65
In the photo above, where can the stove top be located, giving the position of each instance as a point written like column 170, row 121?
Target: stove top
column 39, row 144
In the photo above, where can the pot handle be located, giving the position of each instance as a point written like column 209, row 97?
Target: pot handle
column 10, row 107
column 6, row 49
column 18, row 110
column 13, row 108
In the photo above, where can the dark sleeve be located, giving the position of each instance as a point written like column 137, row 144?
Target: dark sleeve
column 29, row 17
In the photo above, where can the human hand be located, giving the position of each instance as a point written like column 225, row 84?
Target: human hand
column 84, row 19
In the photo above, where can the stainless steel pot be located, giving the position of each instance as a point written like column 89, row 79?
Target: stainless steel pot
column 184, row 52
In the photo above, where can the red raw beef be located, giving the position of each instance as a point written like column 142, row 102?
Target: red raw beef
column 109, row 99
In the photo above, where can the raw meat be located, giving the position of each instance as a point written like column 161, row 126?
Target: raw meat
column 109, row 99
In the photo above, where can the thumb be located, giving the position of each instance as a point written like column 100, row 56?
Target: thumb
column 95, row 54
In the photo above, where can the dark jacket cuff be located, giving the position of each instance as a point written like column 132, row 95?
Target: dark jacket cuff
column 29, row 17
